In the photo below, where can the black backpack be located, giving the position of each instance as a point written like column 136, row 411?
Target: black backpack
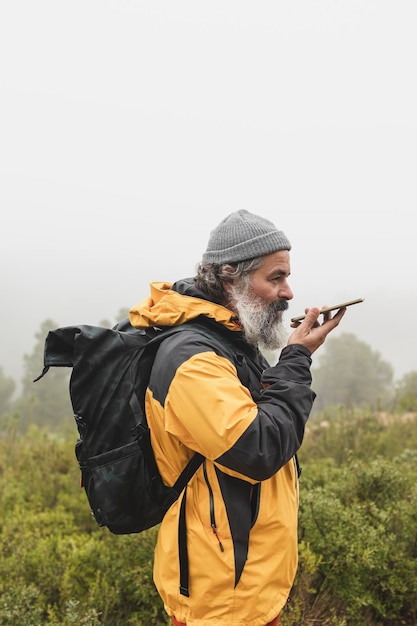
column 110, row 374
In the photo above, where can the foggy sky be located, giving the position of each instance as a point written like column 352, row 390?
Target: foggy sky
column 129, row 129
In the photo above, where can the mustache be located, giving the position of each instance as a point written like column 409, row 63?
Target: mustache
column 279, row 306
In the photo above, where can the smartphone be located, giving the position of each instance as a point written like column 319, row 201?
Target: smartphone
column 330, row 308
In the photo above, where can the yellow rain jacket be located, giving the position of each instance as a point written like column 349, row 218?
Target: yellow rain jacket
column 211, row 393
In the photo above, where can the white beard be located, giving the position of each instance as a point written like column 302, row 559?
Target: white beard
column 262, row 323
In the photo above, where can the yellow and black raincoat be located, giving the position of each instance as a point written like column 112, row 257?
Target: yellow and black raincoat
column 211, row 393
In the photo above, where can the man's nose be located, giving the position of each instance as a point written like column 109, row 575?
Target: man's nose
column 285, row 292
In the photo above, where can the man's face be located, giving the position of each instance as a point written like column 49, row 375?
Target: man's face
column 260, row 301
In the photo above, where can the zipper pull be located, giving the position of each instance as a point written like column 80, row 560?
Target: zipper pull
column 214, row 529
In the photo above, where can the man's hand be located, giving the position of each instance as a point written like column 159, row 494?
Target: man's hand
column 309, row 333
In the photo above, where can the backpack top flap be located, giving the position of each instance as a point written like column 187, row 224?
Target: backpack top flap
column 104, row 381
column 59, row 348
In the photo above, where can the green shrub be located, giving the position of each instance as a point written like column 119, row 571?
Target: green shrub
column 357, row 531
column 57, row 566
column 358, row 542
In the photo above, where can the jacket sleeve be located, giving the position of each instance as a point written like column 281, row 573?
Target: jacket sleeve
column 284, row 406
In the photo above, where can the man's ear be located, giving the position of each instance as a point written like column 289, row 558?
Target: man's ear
column 227, row 284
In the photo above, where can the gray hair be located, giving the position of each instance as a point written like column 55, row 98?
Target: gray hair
column 210, row 277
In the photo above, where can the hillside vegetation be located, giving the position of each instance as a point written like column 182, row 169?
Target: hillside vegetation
column 358, row 532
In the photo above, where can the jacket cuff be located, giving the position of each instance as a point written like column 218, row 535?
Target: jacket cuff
column 293, row 365
column 295, row 348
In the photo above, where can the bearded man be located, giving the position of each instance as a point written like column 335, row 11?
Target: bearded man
column 226, row 553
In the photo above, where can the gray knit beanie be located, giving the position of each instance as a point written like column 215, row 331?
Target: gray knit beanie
column 242, row 236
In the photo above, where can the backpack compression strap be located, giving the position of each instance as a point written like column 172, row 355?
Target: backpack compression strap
column 181, row 483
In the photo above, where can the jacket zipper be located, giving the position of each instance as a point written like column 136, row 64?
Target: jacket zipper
column 297, row 473
column 212, row 516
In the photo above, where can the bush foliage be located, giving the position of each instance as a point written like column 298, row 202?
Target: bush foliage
column 357, row 531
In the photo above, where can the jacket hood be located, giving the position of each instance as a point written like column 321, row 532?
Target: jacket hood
column 173, row 304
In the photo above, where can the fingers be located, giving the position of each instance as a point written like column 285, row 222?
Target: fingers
column 331, row 321
column 310, row 320
column 310, row 332
column 312, row 315
column 335, row 319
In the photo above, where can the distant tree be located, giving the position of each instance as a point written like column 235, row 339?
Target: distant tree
column 105, row 323
column 47, row 401
column 7, row 387
column 121, row 315
column 350, row 373
column 406, row 392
